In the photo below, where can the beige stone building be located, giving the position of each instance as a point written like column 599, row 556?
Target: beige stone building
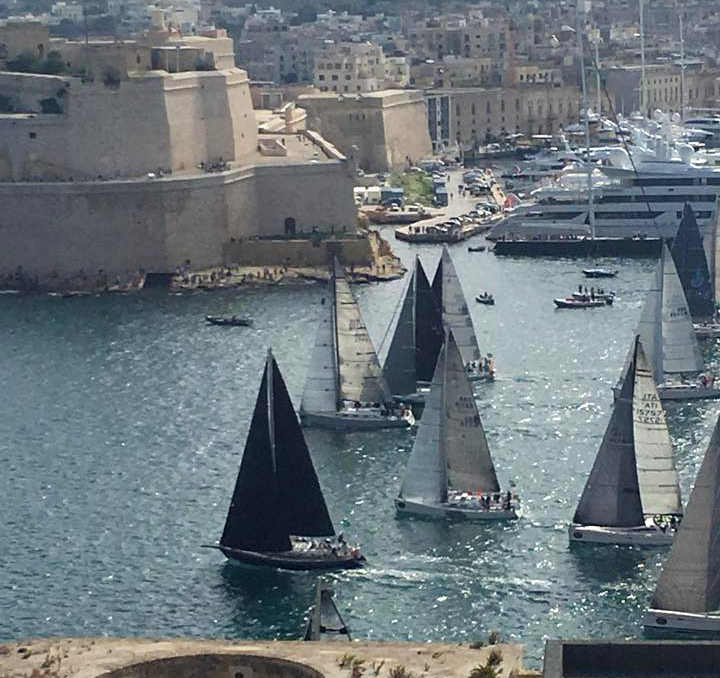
column 153, row 169
column 381, row 130
column 350, row 68
column 476, row 114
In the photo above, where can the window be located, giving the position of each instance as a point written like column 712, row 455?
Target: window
column 334, row 77
column 321, row 77
column 348, row 77
column 472, row 109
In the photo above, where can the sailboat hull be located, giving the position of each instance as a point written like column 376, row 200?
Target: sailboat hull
column 648, row 535
column 707, row 330
column 682, row 621
column 295, row 560
column 351, row 421
column 404, row 507
column 688, row 392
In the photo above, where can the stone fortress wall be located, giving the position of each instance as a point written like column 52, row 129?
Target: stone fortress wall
column 74, row 186
column 382, row 130
column 56, row 230
column 159, row 120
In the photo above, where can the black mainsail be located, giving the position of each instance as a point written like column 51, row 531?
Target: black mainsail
column 691, row 262
column 277, row 493
column 417, row 338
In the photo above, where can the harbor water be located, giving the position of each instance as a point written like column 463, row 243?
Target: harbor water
column 122, row 424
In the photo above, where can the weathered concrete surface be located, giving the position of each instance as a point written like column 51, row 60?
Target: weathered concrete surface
column 88, row 658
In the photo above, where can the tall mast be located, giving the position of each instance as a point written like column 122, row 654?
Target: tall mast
column 333, row 316
column 597, row 76
column 643, row 93
column 588, row 164
column 443, row 409
column 270, row 407
column 682, row 64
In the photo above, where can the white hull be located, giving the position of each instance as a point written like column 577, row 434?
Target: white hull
column 682, row 621
column 454, row 511
column 360, row 420
column 480, row 376
column 623, row 536
column 707, row 331
column 682, row 392
column 688, row 392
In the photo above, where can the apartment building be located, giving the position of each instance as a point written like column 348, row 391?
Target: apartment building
column 350, row 68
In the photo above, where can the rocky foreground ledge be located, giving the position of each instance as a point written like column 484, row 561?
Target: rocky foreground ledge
column 176, row 658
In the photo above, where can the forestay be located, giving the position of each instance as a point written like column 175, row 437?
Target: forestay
column 657, row 477
column 612, row 495
column 455, row 313
column 360, row 375
column 425, row 478
column 681, row 353
column 470, row 466
column 690, row 580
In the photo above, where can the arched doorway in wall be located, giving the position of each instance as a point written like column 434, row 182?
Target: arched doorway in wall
column 290, row 226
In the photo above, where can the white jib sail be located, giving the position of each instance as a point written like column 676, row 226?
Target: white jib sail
column 456, row 315
column 681, row 354
column 360, row 376
column 469, row 464
column 657, row 477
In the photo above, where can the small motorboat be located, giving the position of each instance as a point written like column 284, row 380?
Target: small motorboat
column 479, row 248
column 607, row 297
column 485, row 298
column 232, row 321
column 580, row 302
column 599, row 273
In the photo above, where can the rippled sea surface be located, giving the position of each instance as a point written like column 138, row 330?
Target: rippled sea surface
column 122, row 423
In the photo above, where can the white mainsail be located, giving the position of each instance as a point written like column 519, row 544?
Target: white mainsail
column 690, row 580
column 712, row 245
column 320, row 393
column 456, row 315
column 681, row 353
column 360, row 376
column 665, row 326
column 425, row 478
column 650, row 325
column 657, row 477
column 470, row 466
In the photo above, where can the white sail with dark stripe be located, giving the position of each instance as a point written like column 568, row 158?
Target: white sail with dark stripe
column 690, row 579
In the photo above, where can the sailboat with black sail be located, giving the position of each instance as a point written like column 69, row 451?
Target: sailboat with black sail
column 687, row 595
column 450, row 473
column 278, row 516
column 667, row 335
column 691, row 262
column 632, row 495
column 416, row 340
column 345, row 388
column 456, row 318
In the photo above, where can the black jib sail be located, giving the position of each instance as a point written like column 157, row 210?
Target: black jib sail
column 692, row 266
